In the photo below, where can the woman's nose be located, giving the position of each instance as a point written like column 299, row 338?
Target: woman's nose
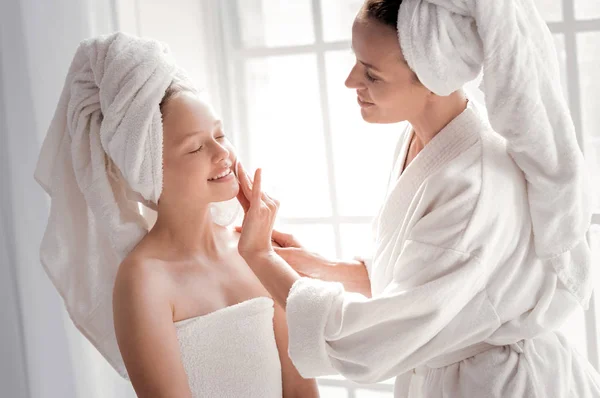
column 353, row 81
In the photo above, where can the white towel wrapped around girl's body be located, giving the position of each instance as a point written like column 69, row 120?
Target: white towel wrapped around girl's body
column 102, row 156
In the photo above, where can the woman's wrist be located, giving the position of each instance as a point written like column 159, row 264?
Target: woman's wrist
column 274, row 273
column 258, row 256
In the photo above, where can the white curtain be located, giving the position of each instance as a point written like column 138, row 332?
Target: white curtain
column 43, row 356
column 38, row 40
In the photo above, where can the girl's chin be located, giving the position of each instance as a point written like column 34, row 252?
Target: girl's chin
column 226, row 192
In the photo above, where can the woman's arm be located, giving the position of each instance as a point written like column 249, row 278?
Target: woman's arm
column 438, row 305
column 145, row 332
column 352, row 274
column 294, row 385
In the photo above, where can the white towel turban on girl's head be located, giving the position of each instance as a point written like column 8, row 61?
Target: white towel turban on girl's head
column 447, row 43
column 103, row 148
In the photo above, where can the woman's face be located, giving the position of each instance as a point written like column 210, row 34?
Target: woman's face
column 198, row 159
column 387, row 90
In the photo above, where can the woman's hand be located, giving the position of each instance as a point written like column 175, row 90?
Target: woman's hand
column 352, row 274
column 278, row 268
column 255, row 244
column 280, row 239
column 305, row 262
column 260, row 212
column 284, row 240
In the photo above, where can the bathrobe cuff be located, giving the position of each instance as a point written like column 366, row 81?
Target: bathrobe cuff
column 308, row 307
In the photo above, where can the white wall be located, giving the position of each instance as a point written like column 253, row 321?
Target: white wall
column 13, row 375
column 41, row 353
column 38, row 39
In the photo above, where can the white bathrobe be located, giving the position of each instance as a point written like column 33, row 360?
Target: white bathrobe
column 461, row 304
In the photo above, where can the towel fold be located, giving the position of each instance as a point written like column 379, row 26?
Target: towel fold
column 447, row 43
column 102, row 154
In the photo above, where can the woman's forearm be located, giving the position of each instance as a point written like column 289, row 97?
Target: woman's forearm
column 275, row 274
column 278, row 277
column 352, row 274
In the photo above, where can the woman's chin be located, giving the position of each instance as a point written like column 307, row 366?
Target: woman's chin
column 368, row 115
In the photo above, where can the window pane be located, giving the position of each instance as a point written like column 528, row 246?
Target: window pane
column 271, row 23
column 362, row 152
column 286, row 134
column 592, row 154
column 357, row 240
column 595, row 239
column 333, row 392
column 551, row 10
column 559, row 43
column 338, row 16
column 587, row 9
column 318, row 238
column 589, row 81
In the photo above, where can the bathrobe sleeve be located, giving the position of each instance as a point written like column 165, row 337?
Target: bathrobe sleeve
column 435, row 301
column 370, row 340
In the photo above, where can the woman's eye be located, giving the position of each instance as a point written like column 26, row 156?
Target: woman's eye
column 197, row 150
column 221, row 137
column 369, row 77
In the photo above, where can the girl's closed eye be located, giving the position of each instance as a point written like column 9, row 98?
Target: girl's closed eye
column 197, row 150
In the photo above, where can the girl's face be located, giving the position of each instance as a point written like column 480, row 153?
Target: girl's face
column 387, row 89
column 198, row 160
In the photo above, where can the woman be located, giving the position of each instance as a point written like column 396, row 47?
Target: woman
column 481, row 249
column 190, row 317
column 187, row 307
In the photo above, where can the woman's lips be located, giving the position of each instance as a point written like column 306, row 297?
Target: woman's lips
column 364, row 104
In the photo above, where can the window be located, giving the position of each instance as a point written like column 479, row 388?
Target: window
column 282, row 86
column 286, row 66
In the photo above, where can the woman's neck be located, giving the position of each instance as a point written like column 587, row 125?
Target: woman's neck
column 437, row 115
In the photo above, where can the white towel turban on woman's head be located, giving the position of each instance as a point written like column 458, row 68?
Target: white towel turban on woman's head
column 447, row 43
column 102, row 153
